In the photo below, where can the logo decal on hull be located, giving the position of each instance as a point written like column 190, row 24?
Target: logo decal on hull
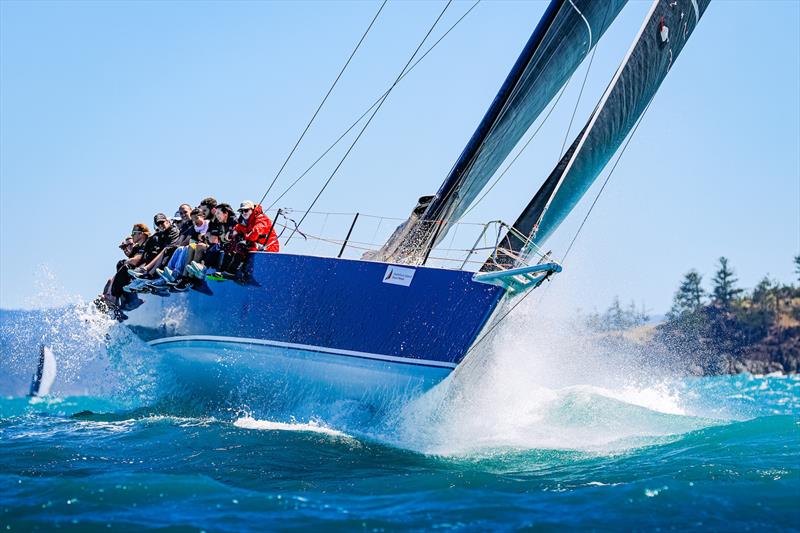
column 399, row 275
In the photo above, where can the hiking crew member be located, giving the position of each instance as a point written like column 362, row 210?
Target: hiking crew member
column 198, row 243
column 184, row 214
column 159, row 246
column 132, row 248
column 256, row 228
column 209, row 207
column 209, row 240
column 141, row 236
column 224, row 219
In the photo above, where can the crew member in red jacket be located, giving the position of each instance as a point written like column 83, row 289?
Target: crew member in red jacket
column 256, row 228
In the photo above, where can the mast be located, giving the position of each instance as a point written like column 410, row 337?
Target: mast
column 563, row 37
column 660, row 40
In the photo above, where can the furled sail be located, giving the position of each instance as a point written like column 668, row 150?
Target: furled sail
column 655, row 49
column 564, row 36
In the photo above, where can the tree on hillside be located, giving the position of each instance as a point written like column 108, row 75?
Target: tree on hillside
column 754, row 320
column 765, row 293
column 797, row 266
column 617, row 318
column 725, row 290
column 689, row 296
column 638, row 316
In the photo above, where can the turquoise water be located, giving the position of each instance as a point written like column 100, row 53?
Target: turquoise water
column 547, row 438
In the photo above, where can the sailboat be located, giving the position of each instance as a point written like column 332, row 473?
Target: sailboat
column 388, row 321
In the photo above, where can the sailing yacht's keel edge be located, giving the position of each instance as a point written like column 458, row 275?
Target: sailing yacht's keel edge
column 356, row 326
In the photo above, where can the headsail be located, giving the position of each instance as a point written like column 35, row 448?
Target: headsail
column 655, row 49
column 565, row 35
column 45, row 373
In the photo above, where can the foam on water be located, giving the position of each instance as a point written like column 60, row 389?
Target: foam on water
column 248, row 422
column 542, row 383
column 95, row 355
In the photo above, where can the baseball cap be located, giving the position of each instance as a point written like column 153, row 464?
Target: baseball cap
column 247, row 204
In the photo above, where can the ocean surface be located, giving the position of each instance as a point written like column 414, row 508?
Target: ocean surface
column 542, row 430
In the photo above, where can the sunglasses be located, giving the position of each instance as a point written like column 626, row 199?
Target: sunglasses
column 161, row 223
column 245, row 210
column 136, row 232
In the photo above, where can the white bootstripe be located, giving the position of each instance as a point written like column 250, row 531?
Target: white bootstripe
column 307, row 347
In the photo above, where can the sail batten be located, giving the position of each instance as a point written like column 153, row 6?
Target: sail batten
column 660, row 40
column 564, row 36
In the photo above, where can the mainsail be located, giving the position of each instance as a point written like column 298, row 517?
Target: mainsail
column 564, row 36
column 655, row 49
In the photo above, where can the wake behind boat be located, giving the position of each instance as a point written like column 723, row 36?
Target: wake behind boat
column 400, row 316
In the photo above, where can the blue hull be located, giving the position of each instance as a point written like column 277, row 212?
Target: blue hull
column 393, row 326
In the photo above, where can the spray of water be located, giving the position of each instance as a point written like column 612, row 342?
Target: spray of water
column 546, row 383
column 95, row 355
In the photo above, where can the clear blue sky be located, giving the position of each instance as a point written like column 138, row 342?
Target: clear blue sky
column 113, row 111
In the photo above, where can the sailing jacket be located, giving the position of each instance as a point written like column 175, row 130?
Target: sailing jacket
column 255, row 232
column 225, row 227
column 185, row 228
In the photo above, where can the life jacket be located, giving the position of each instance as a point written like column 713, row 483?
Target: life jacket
column 258, row 232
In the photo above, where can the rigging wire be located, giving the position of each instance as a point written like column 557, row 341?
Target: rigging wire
column 376, row 102
column 375, row 112
column 575, row 237
column 319, row 107
column 602, row 188
column 511, row 163
column 580, row 95
column 569, row 127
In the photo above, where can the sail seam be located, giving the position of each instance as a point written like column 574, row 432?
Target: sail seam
column 588, row 26
column 608, row 178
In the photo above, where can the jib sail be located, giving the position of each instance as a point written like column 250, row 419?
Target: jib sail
column 655, row 49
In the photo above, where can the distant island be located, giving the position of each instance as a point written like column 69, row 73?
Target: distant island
column 726, row 330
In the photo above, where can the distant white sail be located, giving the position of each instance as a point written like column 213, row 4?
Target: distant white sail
column 45, row 373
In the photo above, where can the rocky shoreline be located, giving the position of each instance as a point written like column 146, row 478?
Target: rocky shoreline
column 726, row 330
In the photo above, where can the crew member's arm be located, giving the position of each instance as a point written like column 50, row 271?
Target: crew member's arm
column 250, row 236
column 134, row 261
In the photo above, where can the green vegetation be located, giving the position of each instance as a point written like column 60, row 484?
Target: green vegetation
column 797, row 266
column 617, row 318
column 724, row 330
